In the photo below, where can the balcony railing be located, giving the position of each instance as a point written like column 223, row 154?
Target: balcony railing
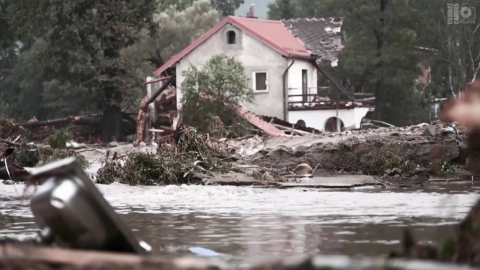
column 324, row 97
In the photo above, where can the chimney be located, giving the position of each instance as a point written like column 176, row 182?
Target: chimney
column 251, row 12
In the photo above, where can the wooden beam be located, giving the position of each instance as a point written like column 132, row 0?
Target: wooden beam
column 332, row 79
column 19, row 254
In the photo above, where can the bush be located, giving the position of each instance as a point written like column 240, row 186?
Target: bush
column 210, row 94
column 28, row 158
column 59, row 139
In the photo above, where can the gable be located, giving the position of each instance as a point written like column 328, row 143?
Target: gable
column 271, row 33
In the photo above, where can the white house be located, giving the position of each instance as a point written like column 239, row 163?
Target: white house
column 281, row 67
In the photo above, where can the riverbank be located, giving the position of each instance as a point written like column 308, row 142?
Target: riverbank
column 388, row 157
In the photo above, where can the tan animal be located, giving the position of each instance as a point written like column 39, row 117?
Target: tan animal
column 303, row 169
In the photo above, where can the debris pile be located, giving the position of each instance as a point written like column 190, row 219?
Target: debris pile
column 19, row 153
column 398, row 153
column 174, row 163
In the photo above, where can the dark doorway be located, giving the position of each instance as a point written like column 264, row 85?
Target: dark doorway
column 304, row 85
column 334, row 124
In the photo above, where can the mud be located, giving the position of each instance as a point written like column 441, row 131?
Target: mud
column 397, row 155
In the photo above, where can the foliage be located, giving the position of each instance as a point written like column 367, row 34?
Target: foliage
column 451, row 49
column 214, row 91
column 282, row 10
column 77, row 66
column 6, row 33
column 375, row 156
column 290, row 9
column 379, row 58
column 59, row 139
column 178, row 28
column 27, row 156
column 175, row 29
column 444, row 169
column 23, row 82
column 386, row 156
column 224, row 7
column 173, row 163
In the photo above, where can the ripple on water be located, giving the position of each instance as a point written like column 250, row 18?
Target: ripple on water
column 246, row 221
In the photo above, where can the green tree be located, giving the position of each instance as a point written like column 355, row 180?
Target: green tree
column 226, row 7
column 308, row 8
column 452, row 49
column 379, row 57
column 84, row 71
column 282, row 10
column 22, row 85
column 223, row 82
column 174, row 30
column 6, row 33
column 178, row 4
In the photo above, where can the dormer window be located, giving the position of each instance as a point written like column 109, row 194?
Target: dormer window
column 231, row 37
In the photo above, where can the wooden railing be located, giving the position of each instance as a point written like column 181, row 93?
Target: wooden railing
column 321, row 98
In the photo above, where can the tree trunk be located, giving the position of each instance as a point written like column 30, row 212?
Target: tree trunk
column 111, row 124
column 379, row 80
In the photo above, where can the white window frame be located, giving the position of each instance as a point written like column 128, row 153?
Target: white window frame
column 254, row 81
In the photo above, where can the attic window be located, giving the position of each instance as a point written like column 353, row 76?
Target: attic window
column 231, row 37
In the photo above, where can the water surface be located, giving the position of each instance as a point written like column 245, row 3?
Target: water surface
column 249, row 224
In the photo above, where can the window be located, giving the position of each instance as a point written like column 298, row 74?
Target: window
column 260, row 82
column 231, row 37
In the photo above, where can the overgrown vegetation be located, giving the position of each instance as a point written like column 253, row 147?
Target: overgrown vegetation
column 443, row 169
column 32, row 155
column 379, row 157
column 211, row 94
column 172, row 164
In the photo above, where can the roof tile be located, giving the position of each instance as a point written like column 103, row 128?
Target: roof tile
column 272, row 33
column 317, row 35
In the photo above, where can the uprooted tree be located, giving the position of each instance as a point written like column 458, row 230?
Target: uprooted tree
column 210, row 96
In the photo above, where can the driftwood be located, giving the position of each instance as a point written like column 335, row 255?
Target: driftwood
column 15, row 255
column 291, row 129
column 86, row 120
column 141, row 120
column 11, row 143
column 141, row 117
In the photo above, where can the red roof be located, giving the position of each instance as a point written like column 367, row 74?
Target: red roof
column 272, row 33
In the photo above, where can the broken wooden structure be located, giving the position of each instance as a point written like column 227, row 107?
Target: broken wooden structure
column 24, row 256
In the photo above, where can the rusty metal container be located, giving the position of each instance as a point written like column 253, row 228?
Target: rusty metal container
column 69, row 208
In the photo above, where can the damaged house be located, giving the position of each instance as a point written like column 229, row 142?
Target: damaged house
column 281, row 59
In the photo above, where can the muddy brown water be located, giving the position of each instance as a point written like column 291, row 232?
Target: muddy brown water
column 247, row 224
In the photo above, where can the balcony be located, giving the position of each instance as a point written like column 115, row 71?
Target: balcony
column 325, row 98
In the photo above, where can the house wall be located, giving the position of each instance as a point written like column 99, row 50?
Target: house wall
column 295, row 78
column 254, row 55
column 318, row 118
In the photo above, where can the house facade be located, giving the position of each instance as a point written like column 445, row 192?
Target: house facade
column 281, row 70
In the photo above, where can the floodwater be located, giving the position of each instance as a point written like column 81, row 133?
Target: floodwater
column 248, row 224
